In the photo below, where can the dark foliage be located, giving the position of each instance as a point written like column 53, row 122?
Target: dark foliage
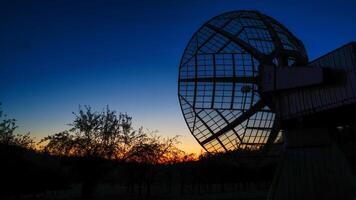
column 26, row 172
column 8, row 136
column 102, row 149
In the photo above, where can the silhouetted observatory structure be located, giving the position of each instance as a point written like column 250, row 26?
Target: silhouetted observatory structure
column 244, row 78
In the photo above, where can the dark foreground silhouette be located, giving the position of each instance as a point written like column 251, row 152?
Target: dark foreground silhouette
column 102, row 157
column 27, row 174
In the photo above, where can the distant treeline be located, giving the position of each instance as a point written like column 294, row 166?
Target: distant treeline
column 102, row 148
column 102, row 156
column 28, row 173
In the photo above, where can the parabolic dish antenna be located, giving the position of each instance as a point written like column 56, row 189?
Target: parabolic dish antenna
column 243, row 77
column 219, row 80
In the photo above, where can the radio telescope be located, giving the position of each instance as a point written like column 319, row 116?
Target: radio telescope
column 219, row 76
column 243, row 78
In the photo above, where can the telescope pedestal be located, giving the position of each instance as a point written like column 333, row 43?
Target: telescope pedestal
column 312, row 167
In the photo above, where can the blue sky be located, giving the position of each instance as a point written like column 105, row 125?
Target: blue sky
column 56, row 55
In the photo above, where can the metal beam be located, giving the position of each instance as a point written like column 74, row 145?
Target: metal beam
column 274, row 131
column 227, row 122
column 221, row 79
column 208, row 39
column 233, row 85
column 258, row 128
column 214, row 83
column 301, row 60
column 211, row 131
column 196, row 76
column 276, row 40
column 192, row 132
column 244, row 116
column 263, row 58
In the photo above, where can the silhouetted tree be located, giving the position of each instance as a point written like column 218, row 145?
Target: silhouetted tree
column 61, row 144
column 154, row 149
column 107, row 135
column 110, row 135
column 8, row 136
column 21, row 164
column 93, row 134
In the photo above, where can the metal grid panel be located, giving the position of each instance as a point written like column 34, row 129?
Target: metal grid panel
column 218, row 79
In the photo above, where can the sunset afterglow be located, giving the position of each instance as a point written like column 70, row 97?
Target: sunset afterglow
column 126, row 55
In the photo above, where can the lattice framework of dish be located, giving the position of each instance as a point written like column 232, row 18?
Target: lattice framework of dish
column 219, row 80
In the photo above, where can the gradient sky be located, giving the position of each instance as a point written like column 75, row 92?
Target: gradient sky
column 56, row 55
